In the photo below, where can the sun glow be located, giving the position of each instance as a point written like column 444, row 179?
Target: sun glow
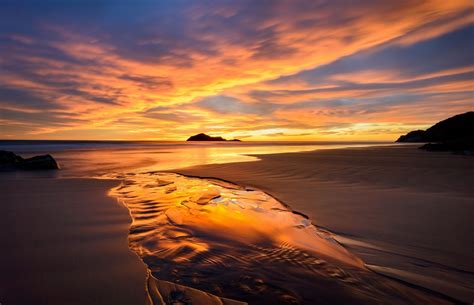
column 288, row 74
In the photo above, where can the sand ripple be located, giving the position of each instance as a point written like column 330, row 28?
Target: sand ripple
column 243, row 244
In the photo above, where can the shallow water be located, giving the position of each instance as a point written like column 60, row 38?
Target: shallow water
column 93, row 158
column 243, row 244
column 219, row 237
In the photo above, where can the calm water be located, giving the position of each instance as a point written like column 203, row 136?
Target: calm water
column 92, row 158
column 241, row 243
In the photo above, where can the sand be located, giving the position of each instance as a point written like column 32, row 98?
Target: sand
column 64, row 242
column 407, row 213
column 241, row 243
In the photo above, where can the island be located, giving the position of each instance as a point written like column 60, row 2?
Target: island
column 453, row 134
column 205, row 137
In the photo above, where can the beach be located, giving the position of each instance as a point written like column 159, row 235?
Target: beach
column 64, row 241
column 236, row 152
column 373, row 201
column 70, row 241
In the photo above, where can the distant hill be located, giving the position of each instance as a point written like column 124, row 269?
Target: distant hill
column 205, row 137
column 455, row 133
column 456, row 127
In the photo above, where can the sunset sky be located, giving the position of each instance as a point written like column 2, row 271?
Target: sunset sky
column 255, row 70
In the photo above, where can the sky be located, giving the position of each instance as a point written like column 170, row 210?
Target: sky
column 254, row 70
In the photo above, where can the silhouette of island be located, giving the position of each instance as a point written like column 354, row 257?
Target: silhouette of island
column 453, row 134
column 205, row 137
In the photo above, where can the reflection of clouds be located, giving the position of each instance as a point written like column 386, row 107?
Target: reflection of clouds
column 199, row 211
column 229, row 67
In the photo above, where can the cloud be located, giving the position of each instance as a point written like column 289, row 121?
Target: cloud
column 429, row 80
column 447, row 52
column 18, row 98
column 223, row 104
column 129, row 70
column 149, row 82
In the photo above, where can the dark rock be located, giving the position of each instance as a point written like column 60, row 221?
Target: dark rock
column 454, row 134
column 463, row 146
column 11, row 161
column 460, row 126
column 9, row 158
column 39, row 162
column 412, row 136
column 205, row 137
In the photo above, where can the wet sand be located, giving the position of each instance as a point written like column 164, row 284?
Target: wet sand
column 407, row 213
column 64, row 242
column 241, row 243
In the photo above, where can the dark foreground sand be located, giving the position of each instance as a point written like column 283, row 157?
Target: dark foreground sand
column 407, row 213
column 64, row 242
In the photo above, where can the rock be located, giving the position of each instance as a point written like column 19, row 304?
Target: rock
column 205, row 137
column 454, row 134
column 412, row 136
column 8, row 158
column 460, row 126
column 462, row 146
column 11, row 161
column 39, row 162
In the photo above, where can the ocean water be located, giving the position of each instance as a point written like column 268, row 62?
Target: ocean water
column 96, row 158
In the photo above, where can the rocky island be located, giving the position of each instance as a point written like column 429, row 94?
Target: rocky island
column 453, row 134
column 205, row 137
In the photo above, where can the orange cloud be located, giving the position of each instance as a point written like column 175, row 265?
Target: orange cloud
column 111, row 88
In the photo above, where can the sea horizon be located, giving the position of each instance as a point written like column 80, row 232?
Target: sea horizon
column 79, row 157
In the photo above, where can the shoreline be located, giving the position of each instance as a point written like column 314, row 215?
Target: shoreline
column 260, row 175
column 162, row 229
column 379, row 270
column 328, row 185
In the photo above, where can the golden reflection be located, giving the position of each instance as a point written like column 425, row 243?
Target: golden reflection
column 178, row 217
column 242, row 243
column 158, row 156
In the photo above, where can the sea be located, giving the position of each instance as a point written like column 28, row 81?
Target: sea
column 96, row 158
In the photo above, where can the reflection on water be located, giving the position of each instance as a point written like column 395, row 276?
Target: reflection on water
column 97, row 158
column 243, row 244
